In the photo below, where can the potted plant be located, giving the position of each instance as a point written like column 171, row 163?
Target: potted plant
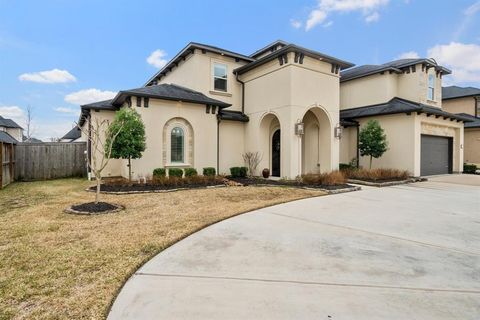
column 266, row 173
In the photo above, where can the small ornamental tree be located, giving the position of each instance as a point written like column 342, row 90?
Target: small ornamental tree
column 130, row 142
column 372, row 141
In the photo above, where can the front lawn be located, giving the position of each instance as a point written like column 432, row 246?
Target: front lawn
column 59, row 266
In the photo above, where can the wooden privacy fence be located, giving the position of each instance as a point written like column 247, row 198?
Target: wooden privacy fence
column 41, row 161
column 7, row 162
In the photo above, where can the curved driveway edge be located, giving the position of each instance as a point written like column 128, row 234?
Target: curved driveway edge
column 403, row 252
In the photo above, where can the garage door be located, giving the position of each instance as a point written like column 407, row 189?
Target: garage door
column 436, row 155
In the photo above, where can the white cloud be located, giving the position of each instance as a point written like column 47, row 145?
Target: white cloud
column 295, row 23
column 89, row 96
column 462, row 58
column 473, row 9
column 50, row 76
column 328, row 24
column 315, row 17
column 13, row 112
column 325, row 7
column 372, row 17
column 408, row 55
column 67, row 110
column 157, row 58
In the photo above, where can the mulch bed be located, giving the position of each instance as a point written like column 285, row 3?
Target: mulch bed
column 288, row 183
column 92, row 208
column 125, row 188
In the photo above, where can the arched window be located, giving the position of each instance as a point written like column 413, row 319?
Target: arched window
column 177, row 144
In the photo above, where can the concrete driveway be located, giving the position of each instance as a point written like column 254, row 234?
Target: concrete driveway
column 403, row 252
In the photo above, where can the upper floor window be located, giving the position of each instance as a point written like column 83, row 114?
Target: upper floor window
column 220, row 77
column 176, row 145
column 431, row 87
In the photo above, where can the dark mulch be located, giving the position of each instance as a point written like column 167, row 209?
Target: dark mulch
column 93, row 207
column 287, row 183
column 152, row 187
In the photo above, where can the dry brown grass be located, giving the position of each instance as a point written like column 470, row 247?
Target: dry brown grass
column 377, row 174
column 59, row 266
column 325, row 179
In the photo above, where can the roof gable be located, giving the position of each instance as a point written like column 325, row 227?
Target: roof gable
column 8, row 123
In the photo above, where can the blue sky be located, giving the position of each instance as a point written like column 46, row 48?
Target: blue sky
column 56, row 54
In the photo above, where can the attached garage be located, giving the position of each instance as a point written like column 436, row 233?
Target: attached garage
column 436, row 155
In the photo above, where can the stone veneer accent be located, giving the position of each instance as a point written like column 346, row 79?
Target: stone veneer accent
column 189, row 139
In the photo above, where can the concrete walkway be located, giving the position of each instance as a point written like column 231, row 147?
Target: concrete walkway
column 403, row 252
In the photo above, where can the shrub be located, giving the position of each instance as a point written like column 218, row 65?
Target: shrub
column 209, row 171
column 345, row 166
column 159, row 172
column 469, row 168
column 190, row 172
column 175, row 172
column 238, row 172
column 325, row 179
column 378, row 174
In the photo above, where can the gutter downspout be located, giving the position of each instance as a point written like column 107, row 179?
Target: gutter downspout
column 358, row 144
column 218, row 143
column 243, row 92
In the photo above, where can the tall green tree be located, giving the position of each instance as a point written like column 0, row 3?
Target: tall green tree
column 130, row 142
column 372, row 140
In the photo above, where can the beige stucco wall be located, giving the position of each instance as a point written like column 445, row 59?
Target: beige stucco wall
column 16, row 133
column 348, row 145
column 232, row 145
column 460, row 105
column 288, row 92
column 401, row 136
column 472, row 146
column 200, row 144
column 380, row 88
column 196, row 73
column 114, row 167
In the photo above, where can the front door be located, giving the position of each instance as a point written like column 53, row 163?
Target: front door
column 276, row 154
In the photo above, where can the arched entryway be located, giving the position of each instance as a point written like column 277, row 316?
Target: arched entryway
column 270, row 142
column 276, row 153
column 316, row 141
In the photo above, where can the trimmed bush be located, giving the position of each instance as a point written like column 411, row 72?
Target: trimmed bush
column 175, row 172
column 209, row 172
column 238, row 172
column 159, row 172
column 469, row 168
column 190, row 172
column 325, row 179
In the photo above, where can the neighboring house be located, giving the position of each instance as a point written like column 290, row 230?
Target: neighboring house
column 11, row 128
column 74, row 135
column 31, row 140
column 208, row 106
column 466, row 102
column 405, row 97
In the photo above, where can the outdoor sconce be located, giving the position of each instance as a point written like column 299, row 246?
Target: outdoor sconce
column 338, row 131
column 299, row 128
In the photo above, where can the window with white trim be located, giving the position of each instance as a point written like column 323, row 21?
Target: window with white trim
column 431, row 87
column 177, row 143
column 220, row 77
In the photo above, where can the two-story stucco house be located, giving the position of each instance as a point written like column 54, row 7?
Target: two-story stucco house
column 466, row 102
column 208, row 106
column 10, row 127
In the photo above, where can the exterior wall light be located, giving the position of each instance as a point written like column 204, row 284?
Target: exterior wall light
column 338, row 131
column 299, row 128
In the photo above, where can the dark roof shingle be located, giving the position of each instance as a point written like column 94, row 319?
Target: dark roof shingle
column 475, row 121
column 393, row 66
column 233, row 116
column 6, row 138
column 73, row 134
column 459, row 92
column 395, row 106
column 8, row 123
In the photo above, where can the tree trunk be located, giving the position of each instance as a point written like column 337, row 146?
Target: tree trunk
column 97, row 194
column 129, row 169
column 370, row 162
